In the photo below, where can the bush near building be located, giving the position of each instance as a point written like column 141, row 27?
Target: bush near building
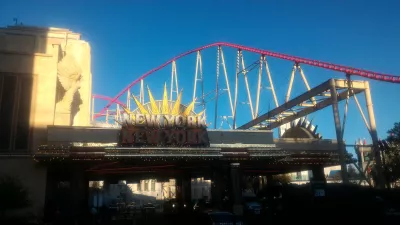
column 13, row 196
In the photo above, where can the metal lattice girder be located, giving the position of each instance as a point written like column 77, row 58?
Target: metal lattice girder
column 296, row 108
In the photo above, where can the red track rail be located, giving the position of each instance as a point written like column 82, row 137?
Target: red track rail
column 316, row 63
column 107, row 98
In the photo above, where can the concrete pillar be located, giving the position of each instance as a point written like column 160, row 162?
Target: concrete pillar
column 269, row 179
column 50, row 195
column 79, row 192
column 256, row 182
column 185, row 189
column 270, row 186
column 217, row 188
column 262, row 184
column 178, row 188
column 318, row 182
column 318, row 174
column 236, row 189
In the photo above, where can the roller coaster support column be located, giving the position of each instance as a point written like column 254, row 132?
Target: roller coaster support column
column 374, row 136
column 339, row 133
column 236, row 189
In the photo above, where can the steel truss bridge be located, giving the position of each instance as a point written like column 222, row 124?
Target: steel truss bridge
column 251, row 81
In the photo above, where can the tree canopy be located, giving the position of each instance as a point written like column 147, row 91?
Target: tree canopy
column 394, row 134
column 392, row 157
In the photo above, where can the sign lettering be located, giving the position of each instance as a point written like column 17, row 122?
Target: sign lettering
column 165, row 121
column 164, row 137
column 164, row 130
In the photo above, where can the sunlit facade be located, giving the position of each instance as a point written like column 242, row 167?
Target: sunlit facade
column 31, row 98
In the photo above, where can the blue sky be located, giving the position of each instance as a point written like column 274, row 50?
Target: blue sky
column 129, row 38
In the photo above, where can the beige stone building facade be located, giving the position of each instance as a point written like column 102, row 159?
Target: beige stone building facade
column 45, row 79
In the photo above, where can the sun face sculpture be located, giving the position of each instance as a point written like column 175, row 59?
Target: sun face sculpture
column 163, row 107
column 163, row 123
column 301, row 128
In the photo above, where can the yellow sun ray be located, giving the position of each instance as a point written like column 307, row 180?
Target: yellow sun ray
column 140, row 106
column 177, row 105
column 127, row 110
column 165, row 105
column 130, row 114
column 154, row 107
column 200, row 113
column 189, row 109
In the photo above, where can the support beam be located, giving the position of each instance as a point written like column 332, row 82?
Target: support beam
column 339, row 134
column 288, row 105
column 239, row 55
column 217, row 89
column 374, row 136
column 141, row 96
column 236, row 189
column 217, row 187
column 357, row 86
column 228, row 87
column 321, row 105
column 79, row 191
column 187, row 189
column 362, row 174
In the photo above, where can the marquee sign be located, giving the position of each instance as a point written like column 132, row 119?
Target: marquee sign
column 161, row 123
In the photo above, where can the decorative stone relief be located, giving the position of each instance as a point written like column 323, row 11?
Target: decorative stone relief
column 69, row 75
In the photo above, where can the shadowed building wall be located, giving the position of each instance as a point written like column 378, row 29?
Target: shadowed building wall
column 36, row 74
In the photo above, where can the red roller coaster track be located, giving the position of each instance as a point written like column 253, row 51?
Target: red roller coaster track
column 316, row 63
column 107, row 99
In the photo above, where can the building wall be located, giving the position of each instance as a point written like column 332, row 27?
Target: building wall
column 33, row 178
column 29, row 86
